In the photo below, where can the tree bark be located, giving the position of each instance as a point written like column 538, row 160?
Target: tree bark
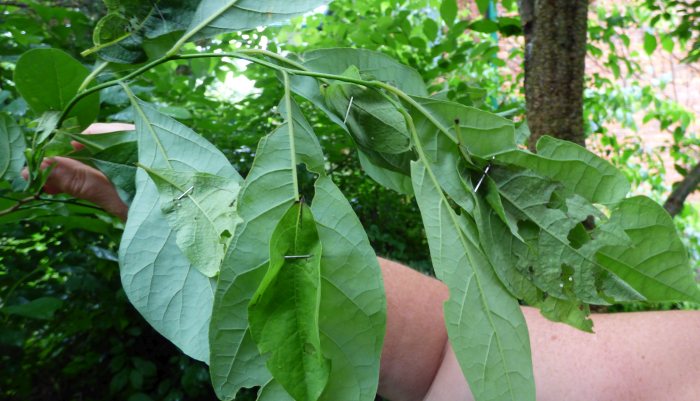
column 674, row 203
column 555, row 52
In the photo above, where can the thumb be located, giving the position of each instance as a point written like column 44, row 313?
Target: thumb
column 83, row 182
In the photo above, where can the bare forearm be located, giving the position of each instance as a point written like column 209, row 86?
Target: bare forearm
column 415, row 336
column 632, row 356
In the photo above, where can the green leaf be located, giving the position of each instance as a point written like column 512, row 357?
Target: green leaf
column 46, row 126
column 398, row 182
column 40, row 308
column 116, row 39
column 656, row 264
column 266, row 195
column 483, row 6
column 581, row 171
column 201, row 209
column 649, row 43
column 667, row 43
column 493, row 198
column 484, row 26
column 448, row 11
column 353, row 304
column 146, row 30
column 501, row 246
column 522, row 134
column 284, row 311
column 118, row 163
column 480, row 133
column 484, row 322
column 11, row 148
column 273, row 391
column 180, row 113
column 173, row 296
column 569, row 312
column 115, row 154
column 96, row 143
column 214, row 17
column 370, row 63
column 430, row 29
column 446, row 124
column 48, row 79
column 372, row 120
column 560, row 266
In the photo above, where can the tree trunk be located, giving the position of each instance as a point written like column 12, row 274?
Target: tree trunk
column 674, row 203
column 555, row 53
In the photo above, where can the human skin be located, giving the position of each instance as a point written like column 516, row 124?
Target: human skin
column 643, row 356
column 652, row 356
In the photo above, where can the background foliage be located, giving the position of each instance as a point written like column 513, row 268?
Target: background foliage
column 62, row 339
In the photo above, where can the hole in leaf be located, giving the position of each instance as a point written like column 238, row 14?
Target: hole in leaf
column 578, row 236
column 306, row 182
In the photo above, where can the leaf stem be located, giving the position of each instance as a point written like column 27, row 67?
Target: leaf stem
column 100, row 67
column 19, row 204
column 137, row 107
column 465, row 240
column 290, row 127
column 298, row 69
column 274, row 56
column 108, row 84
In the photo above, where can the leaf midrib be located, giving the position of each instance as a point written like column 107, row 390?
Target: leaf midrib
column 189, row 195
column 642, row 273
column 463, row 240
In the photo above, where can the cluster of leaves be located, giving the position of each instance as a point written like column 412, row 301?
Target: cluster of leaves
column 294, row 291
column 678, row 19
column 94, row 346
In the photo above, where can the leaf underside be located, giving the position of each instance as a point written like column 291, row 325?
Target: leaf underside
column 160, row 282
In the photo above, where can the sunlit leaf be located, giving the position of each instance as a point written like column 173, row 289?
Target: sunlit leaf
column 649, row 43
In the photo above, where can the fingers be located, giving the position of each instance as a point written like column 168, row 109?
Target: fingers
column 102, row 128
column 81, row 181
column 84, row 182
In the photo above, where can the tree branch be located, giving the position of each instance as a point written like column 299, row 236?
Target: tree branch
column 674, row 203
column 19, row 204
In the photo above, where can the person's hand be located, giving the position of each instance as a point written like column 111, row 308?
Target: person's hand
column 84, row 182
